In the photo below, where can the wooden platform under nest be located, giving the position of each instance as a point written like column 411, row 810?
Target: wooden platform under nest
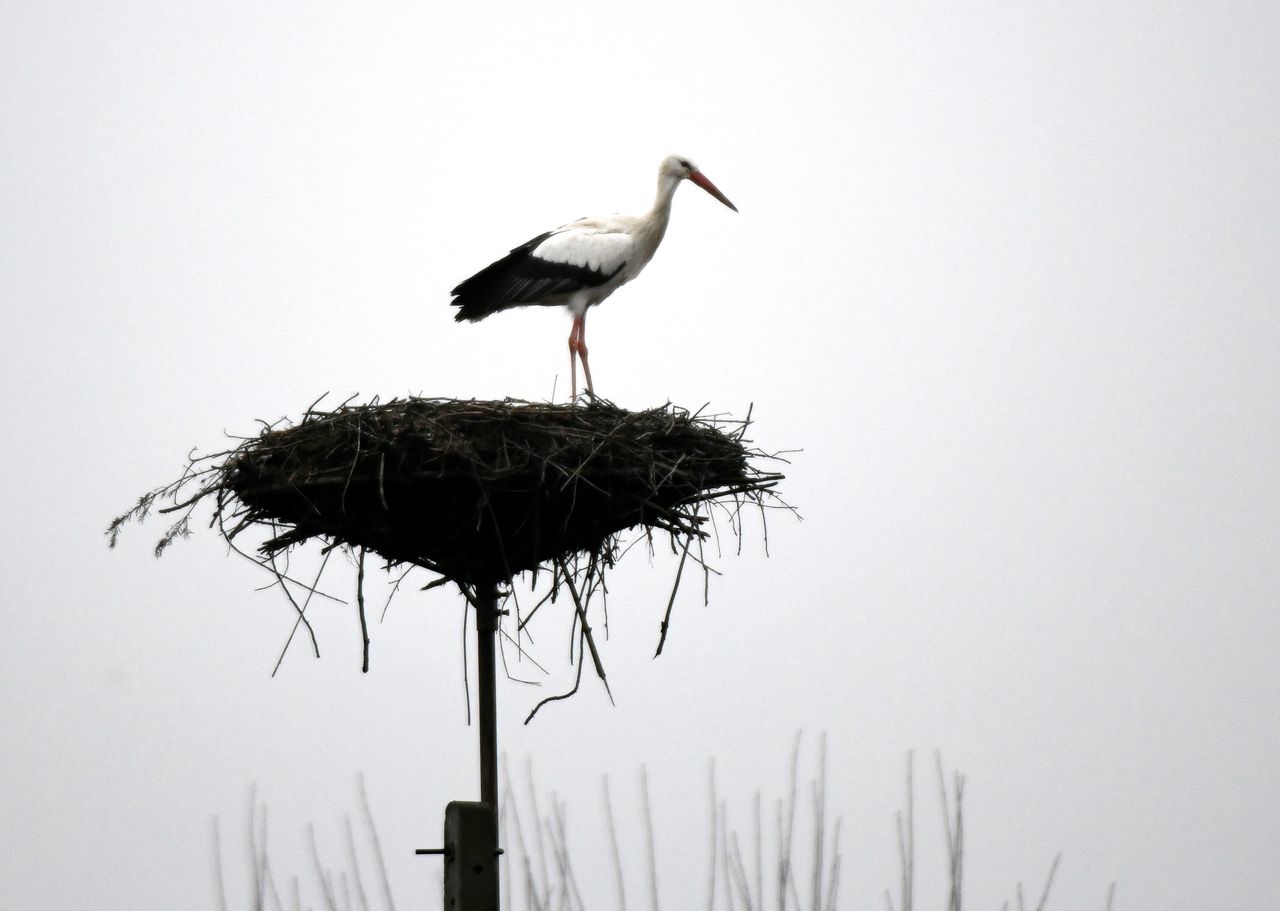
column 476, row 491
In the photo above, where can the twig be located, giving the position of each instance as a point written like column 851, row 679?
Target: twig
column 666, row 618
column 218, row 880
column 711, row 878
column 648, row 838
column 377, row 844
column 302, row 616
column 521, row 845
column 537, row 818
column 325, row 880
column 586, row 632
column 364, row 627
column 256, row 856
column 357, row 880
column 577, row 680
column 819, row 822
column 566, row 862
column 1048, row 883
column 906, row 840
column 466, row 675
column 503, row 634
column 833, row 878
column 739, row 873
column 613, row 843
column 759, row 856
column 785, row 878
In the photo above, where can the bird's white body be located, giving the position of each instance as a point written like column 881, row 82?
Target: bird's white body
column 580, row 264
column 617, row 246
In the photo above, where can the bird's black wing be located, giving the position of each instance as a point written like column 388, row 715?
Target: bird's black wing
column 522, row 278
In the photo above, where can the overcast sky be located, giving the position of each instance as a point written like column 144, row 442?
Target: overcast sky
column 1006, row 273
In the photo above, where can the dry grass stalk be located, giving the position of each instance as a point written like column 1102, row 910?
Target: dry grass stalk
column 343, row 893
column 730, row 865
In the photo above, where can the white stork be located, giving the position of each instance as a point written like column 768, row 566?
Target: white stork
column 579, row 264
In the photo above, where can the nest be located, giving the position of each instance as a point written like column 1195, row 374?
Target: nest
column 481, row 491
column 475, row 491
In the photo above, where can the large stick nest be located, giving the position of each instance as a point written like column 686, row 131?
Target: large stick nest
column 476, row 491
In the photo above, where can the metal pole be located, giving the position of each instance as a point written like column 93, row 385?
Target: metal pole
column 486, row 634
column 470, row 828
column 487, row 696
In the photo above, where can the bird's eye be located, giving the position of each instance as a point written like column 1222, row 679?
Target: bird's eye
column 684, row 164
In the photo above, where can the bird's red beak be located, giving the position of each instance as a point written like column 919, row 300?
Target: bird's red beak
column 701, row 180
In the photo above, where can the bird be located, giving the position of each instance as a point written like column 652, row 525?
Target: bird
column 579, row 264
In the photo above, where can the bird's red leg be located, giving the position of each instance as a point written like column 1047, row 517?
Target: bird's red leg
column 582, row 351
column 573, row 352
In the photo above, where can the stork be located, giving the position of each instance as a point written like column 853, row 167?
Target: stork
column 579, row 264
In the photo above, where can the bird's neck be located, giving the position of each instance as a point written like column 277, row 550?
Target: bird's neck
column 661, row 212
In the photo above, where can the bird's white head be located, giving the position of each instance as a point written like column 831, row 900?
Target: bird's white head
column 679, row 168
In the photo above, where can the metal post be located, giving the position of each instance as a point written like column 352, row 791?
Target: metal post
column 486, row 634
column 487, row 697
column 471, row 828
column 470, row 859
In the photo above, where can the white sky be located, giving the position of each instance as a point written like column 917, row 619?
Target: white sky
column 1006, row 272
